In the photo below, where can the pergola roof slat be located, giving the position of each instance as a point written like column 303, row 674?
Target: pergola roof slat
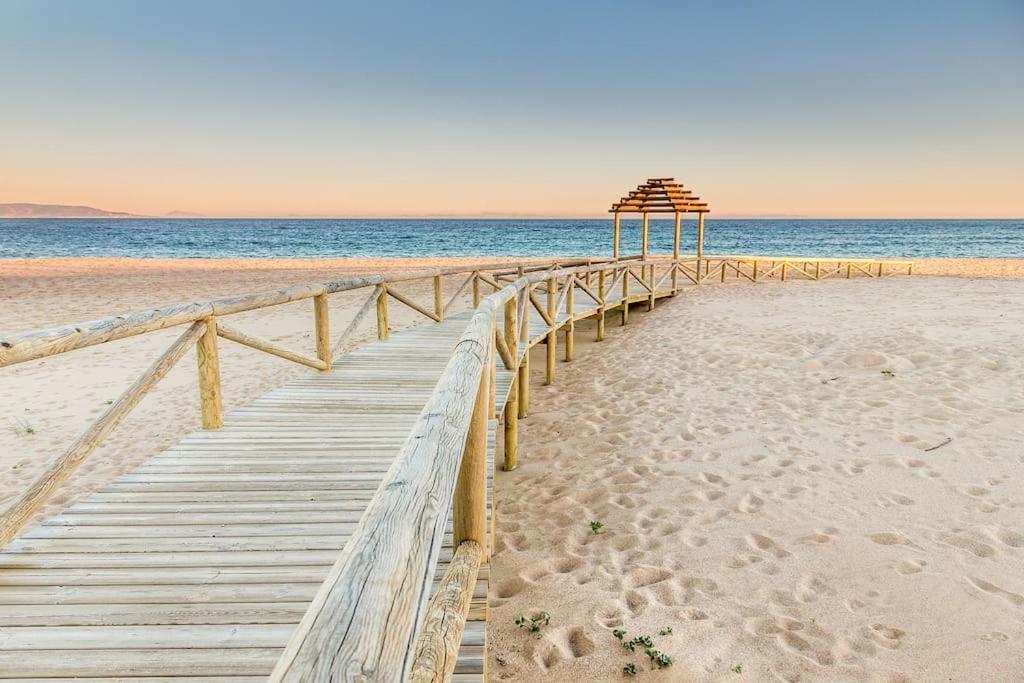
column 660, row 195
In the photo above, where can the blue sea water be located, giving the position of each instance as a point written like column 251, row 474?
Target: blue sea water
column 296, row 238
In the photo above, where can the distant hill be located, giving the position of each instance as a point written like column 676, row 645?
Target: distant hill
column 182, row 214
column 22, row 210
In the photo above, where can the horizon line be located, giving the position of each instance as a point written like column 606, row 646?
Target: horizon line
column 500, row 217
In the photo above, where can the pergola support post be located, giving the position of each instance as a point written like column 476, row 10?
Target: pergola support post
column 675, row 255
column 617, row 230
column 700, row 235
column 643, row 234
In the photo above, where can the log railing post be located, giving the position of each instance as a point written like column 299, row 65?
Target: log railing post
column 782, row 277
column 601, row 306
column 493, row 413
column 625, row 296
column 524, row 365
column 322, row 321
column 476, row 289
column 755, row 270
column 511, row 332
column 438, row 298
column 675, row 256
column 570, row 310
column 208, row 361
column 615, row 236
column 552, row 339
column 652, row 283
column 382, row 313
column 469, row 509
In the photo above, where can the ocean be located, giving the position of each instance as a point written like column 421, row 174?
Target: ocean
column 299, row 238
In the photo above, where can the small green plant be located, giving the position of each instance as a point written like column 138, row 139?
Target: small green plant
column 21, row 427
column 535, row 622
column 888, row 373
column 618, row 633
column 738, row 669
column 629, row 669
column 659, row 660
column 667, row 631
column 596, row 527
column 632, row 645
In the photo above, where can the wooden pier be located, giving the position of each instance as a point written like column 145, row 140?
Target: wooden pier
column 337, row 527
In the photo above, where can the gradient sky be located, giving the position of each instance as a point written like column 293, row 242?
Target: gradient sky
column 884, row 109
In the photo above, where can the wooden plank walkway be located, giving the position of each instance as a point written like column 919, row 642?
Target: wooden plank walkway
column 199, row 563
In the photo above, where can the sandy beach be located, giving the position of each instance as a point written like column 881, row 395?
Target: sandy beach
column 766, row 490
column 805, row 482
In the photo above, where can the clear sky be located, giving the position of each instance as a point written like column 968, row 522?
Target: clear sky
column 819, row 108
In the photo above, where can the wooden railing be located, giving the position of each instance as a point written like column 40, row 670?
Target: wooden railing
column 205, row 325
column 371, row 619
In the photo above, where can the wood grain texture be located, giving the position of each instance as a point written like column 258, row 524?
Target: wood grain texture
column 438, row 647
column 208, row 364
column 322, row 328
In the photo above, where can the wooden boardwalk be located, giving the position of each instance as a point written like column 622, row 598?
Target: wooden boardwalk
column 200, row 563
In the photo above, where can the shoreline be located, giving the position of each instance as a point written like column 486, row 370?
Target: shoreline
column 984, row 267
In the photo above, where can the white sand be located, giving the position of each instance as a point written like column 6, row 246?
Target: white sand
column 766, row 490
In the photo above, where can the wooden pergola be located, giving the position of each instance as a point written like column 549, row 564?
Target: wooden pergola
column 661, row 195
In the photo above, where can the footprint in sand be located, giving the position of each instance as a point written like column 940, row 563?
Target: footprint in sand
column 894, row 498
column 560, row 645
column 1008, row 537
column 1015, row 599
column 750, row 503
column 968, row 544
column 826, row 535
column 891, row 538
column 911, row 566
column 768, row 545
